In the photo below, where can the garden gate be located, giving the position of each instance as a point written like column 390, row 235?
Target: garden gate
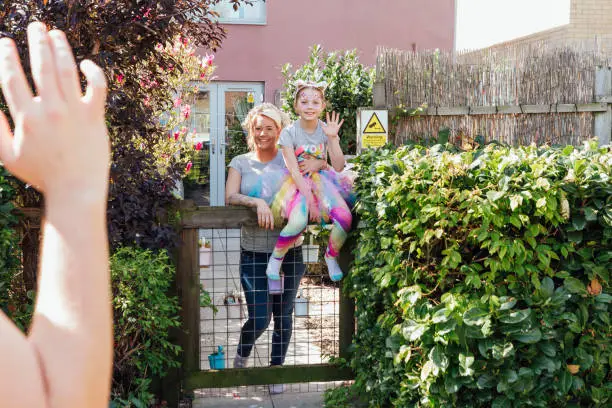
column 201, row 332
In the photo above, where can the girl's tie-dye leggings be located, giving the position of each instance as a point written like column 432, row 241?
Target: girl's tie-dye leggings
column 334, row 209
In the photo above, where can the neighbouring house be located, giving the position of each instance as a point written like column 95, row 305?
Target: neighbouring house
column 264, row 36
column 589, row 28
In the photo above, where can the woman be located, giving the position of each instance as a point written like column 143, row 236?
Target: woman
column 244, row 185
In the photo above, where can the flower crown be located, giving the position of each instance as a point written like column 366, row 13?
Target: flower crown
column 301, row 84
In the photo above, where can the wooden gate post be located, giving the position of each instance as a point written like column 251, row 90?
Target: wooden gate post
column 347, row 305
column 603, row 93
column 188, row 288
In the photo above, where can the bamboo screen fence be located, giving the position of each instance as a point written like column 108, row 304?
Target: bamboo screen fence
column 557, row 80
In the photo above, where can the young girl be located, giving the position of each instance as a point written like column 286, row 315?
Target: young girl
column 307, row 192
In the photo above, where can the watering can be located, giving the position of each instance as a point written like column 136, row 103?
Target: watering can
column 217, row 360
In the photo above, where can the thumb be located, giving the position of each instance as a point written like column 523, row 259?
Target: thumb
column 7, row 155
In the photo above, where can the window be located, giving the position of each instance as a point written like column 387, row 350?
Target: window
column 255, row 13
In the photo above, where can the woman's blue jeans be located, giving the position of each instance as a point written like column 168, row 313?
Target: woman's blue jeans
column 262, row 306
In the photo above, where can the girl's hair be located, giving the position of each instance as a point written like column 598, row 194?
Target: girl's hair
column 280, row 118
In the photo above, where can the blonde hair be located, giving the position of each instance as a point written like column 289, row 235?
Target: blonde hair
column 280, row 119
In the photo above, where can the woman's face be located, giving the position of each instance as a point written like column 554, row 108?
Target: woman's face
column 265, row 133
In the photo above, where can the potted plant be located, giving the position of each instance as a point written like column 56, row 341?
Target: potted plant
column 205, row 252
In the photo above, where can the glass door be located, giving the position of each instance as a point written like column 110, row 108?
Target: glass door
column 203, row 122
column 217, row 114
column 228, row 139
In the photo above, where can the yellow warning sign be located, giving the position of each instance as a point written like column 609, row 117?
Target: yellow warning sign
column 369, row 141
column 374, row 125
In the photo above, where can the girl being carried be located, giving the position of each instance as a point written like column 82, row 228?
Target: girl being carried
column 307, row 192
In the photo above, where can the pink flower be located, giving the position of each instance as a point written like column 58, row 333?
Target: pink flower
column 177, row 135
column 159, row 47
column 119, row 78
column 207, row 60
column 186, row 111
column 147, row 13
column 177, row 102
column 183, row 130
column 188, row 167
column 198, row 146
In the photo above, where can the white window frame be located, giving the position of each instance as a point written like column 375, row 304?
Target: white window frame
column 262, row 20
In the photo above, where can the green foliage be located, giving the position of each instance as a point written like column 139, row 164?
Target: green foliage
column 481, row 278
column 143, row 316
column 9, row 255
column 350, row 86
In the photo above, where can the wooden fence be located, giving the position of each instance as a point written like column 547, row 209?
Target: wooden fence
column 525, row 95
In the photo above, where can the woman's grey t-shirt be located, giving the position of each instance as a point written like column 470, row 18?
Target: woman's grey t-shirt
column 251, row 170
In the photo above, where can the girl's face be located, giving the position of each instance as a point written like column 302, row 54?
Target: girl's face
column 309, row 104
column 265, row 133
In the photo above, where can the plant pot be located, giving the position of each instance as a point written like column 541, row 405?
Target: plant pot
column 301, row 305
column 205, row 256
column 311, row 253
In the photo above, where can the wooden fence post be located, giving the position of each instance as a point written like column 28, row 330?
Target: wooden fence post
column 603, row 93
column 379, row 96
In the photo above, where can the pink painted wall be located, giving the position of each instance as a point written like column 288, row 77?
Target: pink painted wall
column 257, row 52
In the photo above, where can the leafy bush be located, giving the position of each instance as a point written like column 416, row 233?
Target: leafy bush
column 9, row 256
column 350, row 86
column 143, row 316
column 481, row 278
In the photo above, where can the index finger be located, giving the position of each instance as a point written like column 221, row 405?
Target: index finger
column 15, row 88
column 42, row 62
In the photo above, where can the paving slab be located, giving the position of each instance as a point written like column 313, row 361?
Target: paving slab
column 229, row 402
column 301, row 400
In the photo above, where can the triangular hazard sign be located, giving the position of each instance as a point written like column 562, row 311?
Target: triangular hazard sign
column 374, row 125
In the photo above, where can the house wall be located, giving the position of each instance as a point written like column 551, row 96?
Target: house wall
column 257, row 52
column 590, row 27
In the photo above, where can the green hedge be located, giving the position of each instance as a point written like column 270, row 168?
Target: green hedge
column 481, row 278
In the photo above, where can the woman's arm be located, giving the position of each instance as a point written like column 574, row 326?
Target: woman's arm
column 308, row 166
column 233, row 197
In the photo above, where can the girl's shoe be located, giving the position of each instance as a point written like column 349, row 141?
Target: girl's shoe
column 335, row 273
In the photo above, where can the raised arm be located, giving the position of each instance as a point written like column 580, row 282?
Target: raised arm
column 331, row 129
column 233, row 197
column 60, row 146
